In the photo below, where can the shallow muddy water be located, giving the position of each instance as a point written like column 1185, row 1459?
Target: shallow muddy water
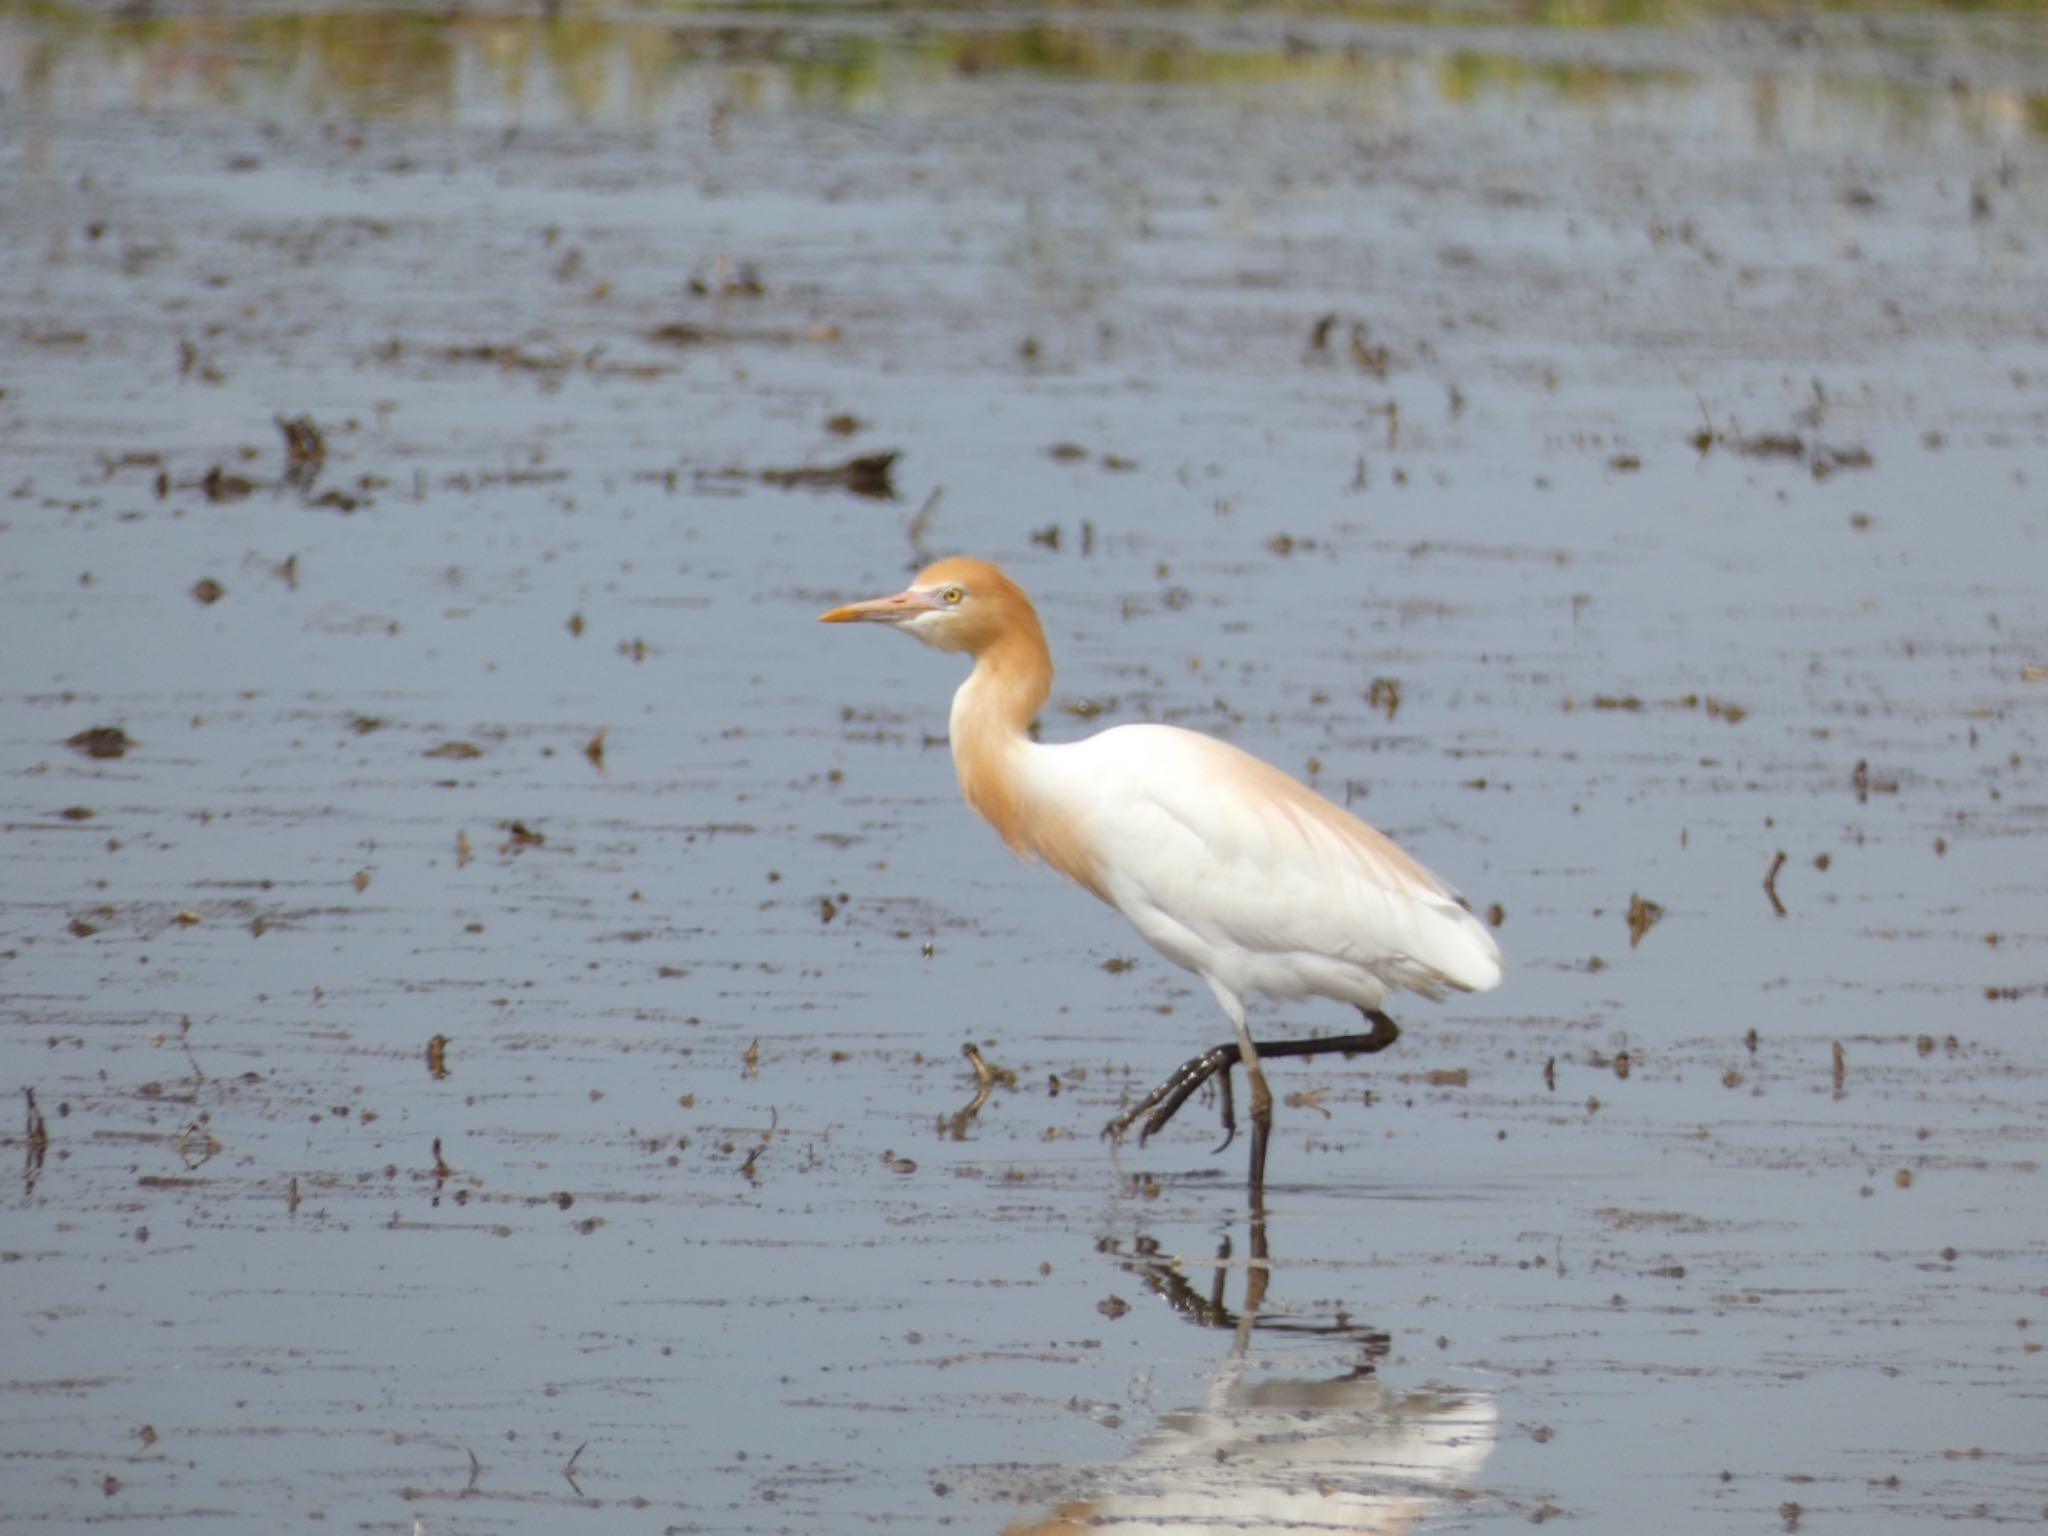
column 485, row 973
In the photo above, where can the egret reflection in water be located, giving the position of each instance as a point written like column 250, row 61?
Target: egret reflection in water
column 1266, row 1453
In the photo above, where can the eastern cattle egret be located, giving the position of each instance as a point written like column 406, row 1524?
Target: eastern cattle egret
column 1226, row 865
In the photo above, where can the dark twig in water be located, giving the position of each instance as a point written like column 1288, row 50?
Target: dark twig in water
column 1642, row 916
column 185, row 1042
column 987, row 1078
column 305, row 450
column 198, row 1146
column 920, row 524
column 867, row 474
column 38, row 1143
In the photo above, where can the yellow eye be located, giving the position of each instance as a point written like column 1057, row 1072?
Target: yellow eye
column 951, row 595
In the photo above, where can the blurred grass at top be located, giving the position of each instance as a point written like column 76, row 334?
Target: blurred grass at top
column 592, row 59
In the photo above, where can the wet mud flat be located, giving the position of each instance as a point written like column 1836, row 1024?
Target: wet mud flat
column 486, row 975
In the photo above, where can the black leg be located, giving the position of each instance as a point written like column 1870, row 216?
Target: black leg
column 1163, row 1102
column 1181, row 1082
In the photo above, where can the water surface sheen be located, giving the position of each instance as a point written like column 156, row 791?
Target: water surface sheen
column 482, row 1046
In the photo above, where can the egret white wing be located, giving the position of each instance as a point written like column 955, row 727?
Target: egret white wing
column 1240, row 872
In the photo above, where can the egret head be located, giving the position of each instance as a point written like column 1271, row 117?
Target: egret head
column 953, row 605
